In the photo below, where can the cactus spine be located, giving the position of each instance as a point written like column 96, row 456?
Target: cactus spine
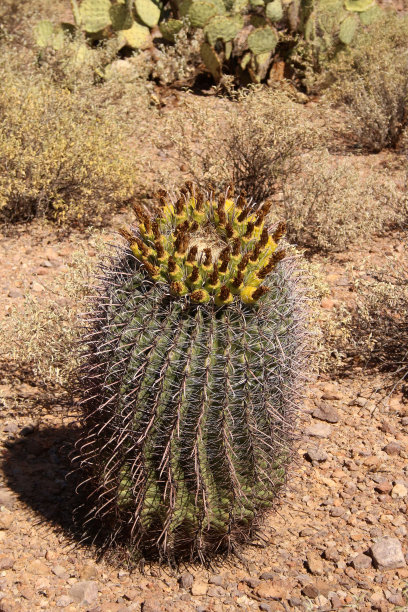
column 190, row 383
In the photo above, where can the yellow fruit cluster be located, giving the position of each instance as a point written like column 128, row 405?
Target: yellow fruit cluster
column 165, row 246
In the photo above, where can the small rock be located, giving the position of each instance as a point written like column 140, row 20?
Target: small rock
column 6, row 562
column 37, row 287
column 269, row 589
column 361, row 562
column 295, row 602
column 216, row 579
column 11, row 427
column 392, row 448
column 38, row 568
column 332, row 554
column 387, row 553
column 316, row 454
column 88, row 570
column 85, row 592
column 15, row 293
column 337, row 511
column 63, row 601
column 186, row 580
column 59, row 571
column 399, row 491
column 6, row 499
column 396, row 599
column 319, row 430
column 310, row 590
column 325, row 412
column 267, row 576
column 384, row 487
column 251, row 582
column 27, row 430
column 199, row 588
column 215, row 591
column 315, row 564
column 6, row 518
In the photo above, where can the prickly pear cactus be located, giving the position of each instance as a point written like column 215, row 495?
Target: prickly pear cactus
column 195, row 349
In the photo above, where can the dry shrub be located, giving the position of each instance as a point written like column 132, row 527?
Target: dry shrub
column 372, row 84
column 59, row 157
column 41, row 335
column 379, row 327
column 177, row 64
column 330, row 329
column 329, row 205
column 254, row 142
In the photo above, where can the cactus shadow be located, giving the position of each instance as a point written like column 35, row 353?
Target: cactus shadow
column 38, row 469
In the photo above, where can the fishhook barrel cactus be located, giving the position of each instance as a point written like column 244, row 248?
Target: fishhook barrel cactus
column 191, row 379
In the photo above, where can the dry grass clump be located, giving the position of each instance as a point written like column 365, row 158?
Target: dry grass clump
column 59, row 157
column 372, row 85
column 379, row 327
column 328, row 204
column 254, row 142
column 41, row 334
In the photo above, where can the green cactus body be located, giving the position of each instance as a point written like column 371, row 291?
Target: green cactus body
column 262, row 40
column 148, row 12
column 190, row 396
column 223, row 28
column 95, row 15
column 359, row 6
column 274, row 10
column 201, row 12
column 170, row 29
column 348, row 29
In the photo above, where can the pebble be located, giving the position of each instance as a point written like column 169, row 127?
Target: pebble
column 387, row 553
column 6, row 519
column 316, row 454
column 6, row 562
column 186, row 580
column 310, row 590
column 199, row 588
column 399, row 491
column 315, row 564
column 6, row 498
column 269, row 589
column 361, row 561
column 325, row 412
column 63, row 601
column 319, row 430
column 393, row 448
column 85, row 592
column 216, row 579
column 59, row 571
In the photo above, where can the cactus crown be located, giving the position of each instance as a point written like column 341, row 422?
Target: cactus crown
column 170, row 248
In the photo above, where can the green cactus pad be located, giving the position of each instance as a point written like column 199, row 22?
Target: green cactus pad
column 239, row 5
column 189, row 400
column 201, row 12
column 370, row 15
column 95, row 15
column 211, row 61
column 348, row 29
column 148, row 11
column 170, row 29
column 256, row 3
column 137, row 37
column 246, row 58
column 359, row 6
column 121, row 17
column 223, row 28
column 262, row 40
column 274, row 10
column 44, row 33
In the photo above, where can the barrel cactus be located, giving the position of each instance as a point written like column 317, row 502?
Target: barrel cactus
column 196, row 349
